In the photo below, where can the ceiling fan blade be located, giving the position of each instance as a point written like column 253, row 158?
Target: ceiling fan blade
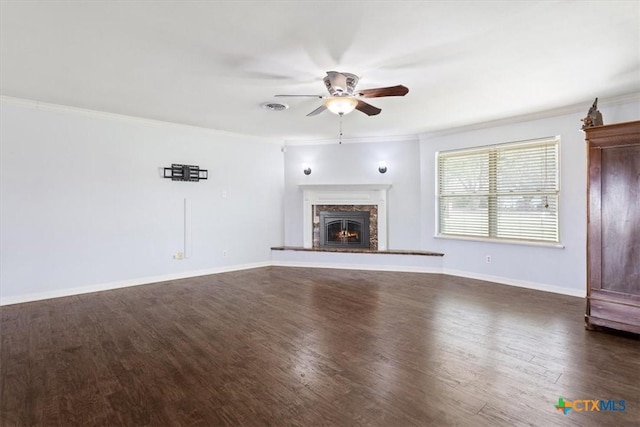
column 303, row 96
column 368, row 109
column 378, row 92
column 317, row 111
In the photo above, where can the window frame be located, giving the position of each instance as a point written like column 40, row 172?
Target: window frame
column 492, row 215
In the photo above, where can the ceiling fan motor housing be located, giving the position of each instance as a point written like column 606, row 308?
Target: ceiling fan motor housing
column 340, row 84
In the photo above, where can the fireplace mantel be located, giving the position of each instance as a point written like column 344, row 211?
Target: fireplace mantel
column 344, row 187
column 344, row 194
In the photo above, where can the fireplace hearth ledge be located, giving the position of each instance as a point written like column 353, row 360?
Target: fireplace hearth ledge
column 358, row 251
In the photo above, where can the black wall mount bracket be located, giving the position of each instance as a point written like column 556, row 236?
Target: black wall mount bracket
column 179, row 172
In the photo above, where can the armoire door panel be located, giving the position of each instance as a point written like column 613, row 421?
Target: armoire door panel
column 620, row 187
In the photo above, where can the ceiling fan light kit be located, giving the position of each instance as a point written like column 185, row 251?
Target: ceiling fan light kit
column 341, row 105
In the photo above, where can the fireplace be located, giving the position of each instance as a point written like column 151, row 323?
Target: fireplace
column 345, row 226
column 369, row 198
column 344, row 229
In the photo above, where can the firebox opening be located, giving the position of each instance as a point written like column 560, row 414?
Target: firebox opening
column 344, row 232
column 344, row 229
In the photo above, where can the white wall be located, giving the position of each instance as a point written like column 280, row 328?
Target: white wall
column 83, row 205
column 555, row 269
column 357, row 163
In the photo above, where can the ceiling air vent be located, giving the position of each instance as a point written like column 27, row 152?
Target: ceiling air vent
column 274, row 106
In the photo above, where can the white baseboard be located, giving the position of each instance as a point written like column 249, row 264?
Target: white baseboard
column 517, row 283
column 17, row 299
column 434, row 270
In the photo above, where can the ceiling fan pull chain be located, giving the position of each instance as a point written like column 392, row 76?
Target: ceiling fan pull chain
column 340, row 141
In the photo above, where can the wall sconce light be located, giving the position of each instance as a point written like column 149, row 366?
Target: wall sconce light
column 306, row 169
column 382, row 167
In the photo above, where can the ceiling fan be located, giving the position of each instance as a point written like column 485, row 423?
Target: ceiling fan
column 344, row 98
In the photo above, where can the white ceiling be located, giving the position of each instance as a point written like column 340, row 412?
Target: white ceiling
column 212, row 64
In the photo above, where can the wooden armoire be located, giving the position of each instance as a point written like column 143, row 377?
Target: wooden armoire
column 613, row 227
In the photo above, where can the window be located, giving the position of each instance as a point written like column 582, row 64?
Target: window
column 502, row 192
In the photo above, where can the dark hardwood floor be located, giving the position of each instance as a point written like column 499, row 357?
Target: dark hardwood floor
column 305, row 347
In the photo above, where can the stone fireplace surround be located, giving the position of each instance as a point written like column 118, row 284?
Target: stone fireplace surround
column 372, row 210
column 347, row 195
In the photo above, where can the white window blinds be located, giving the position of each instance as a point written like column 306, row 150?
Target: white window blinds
column 507, row 191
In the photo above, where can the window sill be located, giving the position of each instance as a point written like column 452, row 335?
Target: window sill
column 502, row 241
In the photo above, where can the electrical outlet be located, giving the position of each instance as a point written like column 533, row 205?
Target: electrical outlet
column 224, row 194
column 487, row 259
column 224, row 253
column 179, row 256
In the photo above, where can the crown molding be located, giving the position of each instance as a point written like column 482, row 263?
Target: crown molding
column 581, row 107
column 565, row 110
column 45, row 106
